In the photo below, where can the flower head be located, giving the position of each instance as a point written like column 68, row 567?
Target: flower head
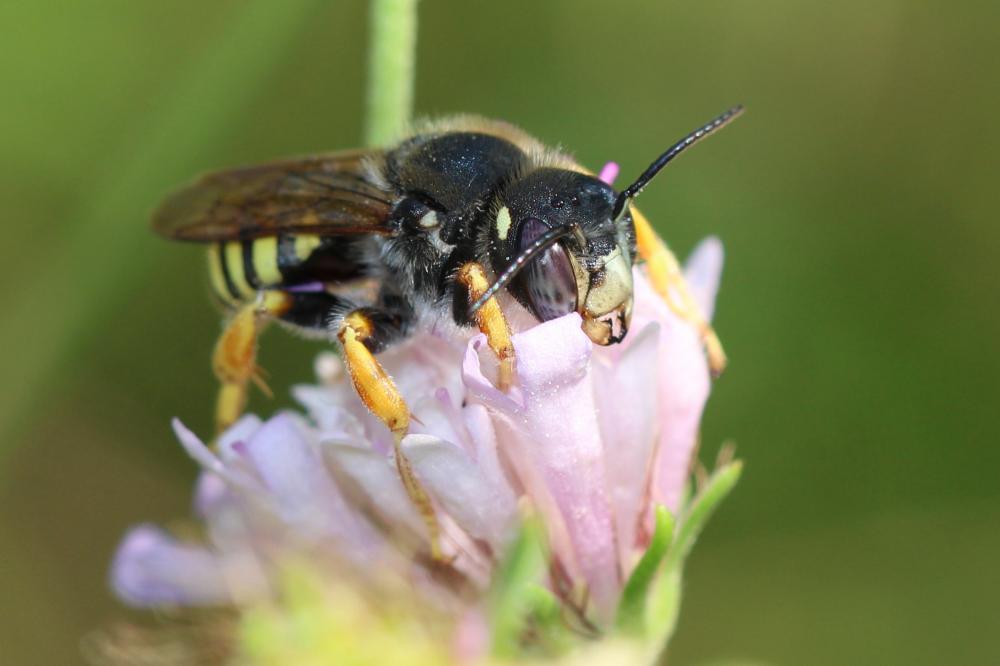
column 594, row 443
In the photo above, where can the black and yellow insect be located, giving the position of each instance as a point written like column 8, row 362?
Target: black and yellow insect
column 462, row 221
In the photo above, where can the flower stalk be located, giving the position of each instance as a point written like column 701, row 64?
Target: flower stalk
column 391, row 57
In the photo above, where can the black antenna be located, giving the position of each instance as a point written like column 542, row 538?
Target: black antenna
column 542, row 243
column 633, row 190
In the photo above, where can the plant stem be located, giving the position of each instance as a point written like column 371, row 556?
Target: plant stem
column 391, row 55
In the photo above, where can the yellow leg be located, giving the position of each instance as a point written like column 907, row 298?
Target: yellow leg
column 235, row 358
column 668, row 281
column 491, row 321
column 379, row 394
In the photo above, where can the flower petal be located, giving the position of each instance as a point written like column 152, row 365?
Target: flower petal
column 483, row 509
column 627, row 411
column 197, row 449
column 151, row 568
column 703, row 272
column 552, row 441
column 334, row 409
column 299, row 489
column 375, row 478
column 483, row 444
column 683, row 389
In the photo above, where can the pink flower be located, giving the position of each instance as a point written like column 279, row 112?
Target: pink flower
column 592, row 439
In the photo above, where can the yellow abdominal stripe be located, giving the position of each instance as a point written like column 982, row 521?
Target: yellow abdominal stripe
column 304, row 246
column 215, row 275
column 265, row 260
column 234, row 262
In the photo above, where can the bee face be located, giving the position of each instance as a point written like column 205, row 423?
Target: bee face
column 589, row 271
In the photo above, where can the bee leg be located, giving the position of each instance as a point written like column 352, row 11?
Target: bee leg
column 491, row 321
column 376, row 389
column 668, row 281
column 235, row 357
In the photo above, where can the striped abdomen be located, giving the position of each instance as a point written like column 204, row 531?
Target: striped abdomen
column 239, row 269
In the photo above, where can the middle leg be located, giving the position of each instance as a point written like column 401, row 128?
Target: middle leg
column 362, row 333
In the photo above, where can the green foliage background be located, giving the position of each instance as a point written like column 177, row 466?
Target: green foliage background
column 856, row 198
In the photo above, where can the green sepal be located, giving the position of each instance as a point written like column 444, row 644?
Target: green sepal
column 631, row 615
column 664, row 601
column 548, row 622
column 515, row 594
column 718, row 486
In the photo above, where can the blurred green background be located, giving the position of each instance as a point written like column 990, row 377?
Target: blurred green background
column 857, row 201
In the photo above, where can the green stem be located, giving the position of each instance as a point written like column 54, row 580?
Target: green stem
column 391, row 55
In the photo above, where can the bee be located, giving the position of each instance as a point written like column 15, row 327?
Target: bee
column 459, row 223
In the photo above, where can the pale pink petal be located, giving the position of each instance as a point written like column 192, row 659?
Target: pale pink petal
column 229, row 525
column 206, row 458
column 483, row 444
column 548, row 433
column 627, row 411
column 151, row 568
column 300, row 490
column 419, row 367
column 609, row 172
column 197, row 449
column 471, row 641
column 478, row 385
column 241, row 431
column 484, row 510
column 703, row 271
column 210, row 492
column 327, row 407
column 683, row 390
column 375, row 477
column 422, row 365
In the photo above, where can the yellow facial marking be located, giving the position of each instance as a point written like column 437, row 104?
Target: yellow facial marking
column 503, row 223
column 234, row 263
column 616, row 289
column 265, row 260
column 304, row 246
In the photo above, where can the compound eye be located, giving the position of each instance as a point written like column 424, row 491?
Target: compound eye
column 549, row 280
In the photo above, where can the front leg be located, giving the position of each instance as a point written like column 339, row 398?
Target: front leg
column 668, row 281
column 491, row 321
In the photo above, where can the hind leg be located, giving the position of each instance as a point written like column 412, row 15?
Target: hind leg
column 668, row 281
column 234, row 360
column 235, row 357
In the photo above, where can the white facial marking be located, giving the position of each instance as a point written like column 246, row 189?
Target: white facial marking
column 429, row 220
column 503, row 223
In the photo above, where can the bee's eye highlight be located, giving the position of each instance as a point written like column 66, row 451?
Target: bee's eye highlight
column 549, row 281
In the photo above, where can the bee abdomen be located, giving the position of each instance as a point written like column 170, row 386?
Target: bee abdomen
column 239, row 269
